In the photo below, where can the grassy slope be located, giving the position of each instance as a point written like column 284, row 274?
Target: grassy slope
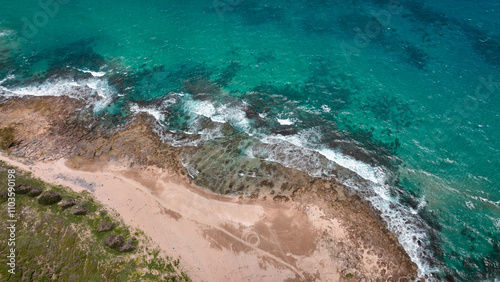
column 53, row 244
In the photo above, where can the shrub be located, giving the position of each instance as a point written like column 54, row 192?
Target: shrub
column 6, row 137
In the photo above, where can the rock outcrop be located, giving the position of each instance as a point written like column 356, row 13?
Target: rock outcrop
column 49, row 198
column 35, row 191
column 115, row 242
column 79, row 210
column 22, row 188
column 4, row 195
column 105, row 226
column 67, row 203
column 128, row 246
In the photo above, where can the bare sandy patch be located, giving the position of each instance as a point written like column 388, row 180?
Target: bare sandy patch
column 217, row 238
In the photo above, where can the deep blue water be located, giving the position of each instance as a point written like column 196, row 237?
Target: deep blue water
column 405, row 94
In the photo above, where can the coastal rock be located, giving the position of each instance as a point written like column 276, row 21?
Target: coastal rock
column 129, row 246
column 76, row 133
column 67, row 203
column 250, row 113
column 281, row 199
column 35, row 191
column 105, row 226
column 285, row 131
column 3, row 196
column 49, row 198
column 79, row 210
column 115, row 242
column 23, row 188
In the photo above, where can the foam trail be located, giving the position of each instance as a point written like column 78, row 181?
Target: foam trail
column 368, row 172
column 152, row 111
column 103, row 90
column 5, row 32
column 93, row 73
column 233, row 115
column 8, row 77
column 94, row 91
column 202, row 108
column 285, row 121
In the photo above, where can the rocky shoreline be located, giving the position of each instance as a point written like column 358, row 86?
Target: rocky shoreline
column 51, row 128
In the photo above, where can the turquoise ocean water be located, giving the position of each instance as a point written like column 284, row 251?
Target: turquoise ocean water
column 403, row 94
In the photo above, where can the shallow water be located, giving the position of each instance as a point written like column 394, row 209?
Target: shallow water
column 403, row 94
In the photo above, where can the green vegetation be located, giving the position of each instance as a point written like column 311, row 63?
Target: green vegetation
column 349, row 275
column 6, row 137
column 53, row 244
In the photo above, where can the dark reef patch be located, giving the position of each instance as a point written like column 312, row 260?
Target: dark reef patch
column 391, row 109
column 420, row 12
column 415, row 56
column 328, row 84
column 200, row 87
column 265, row 57
column 7, row 61
column 321, row 23
column 228, row 73
column 177, row 75
column 61, row 61
column 484, row 44
column 256, row 13
column 79, row 54
column 122, row 82
column 281, row 92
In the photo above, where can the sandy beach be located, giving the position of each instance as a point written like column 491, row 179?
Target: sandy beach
column 217, row 238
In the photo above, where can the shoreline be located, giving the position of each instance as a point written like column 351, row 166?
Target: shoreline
column 318, row 231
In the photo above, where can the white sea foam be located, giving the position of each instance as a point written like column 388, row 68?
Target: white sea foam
column 93, row 73
column 172, row 138
column 94, row 91
column 5, row 32
column 484, row 200
column 368, row 172
column 285, row 121
column 202, row 108
column 470, row 205
column 496, row 221
column 233, row 115
column 154, row 112
column 8, row 77
column 103, row 90
column 57, row 88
